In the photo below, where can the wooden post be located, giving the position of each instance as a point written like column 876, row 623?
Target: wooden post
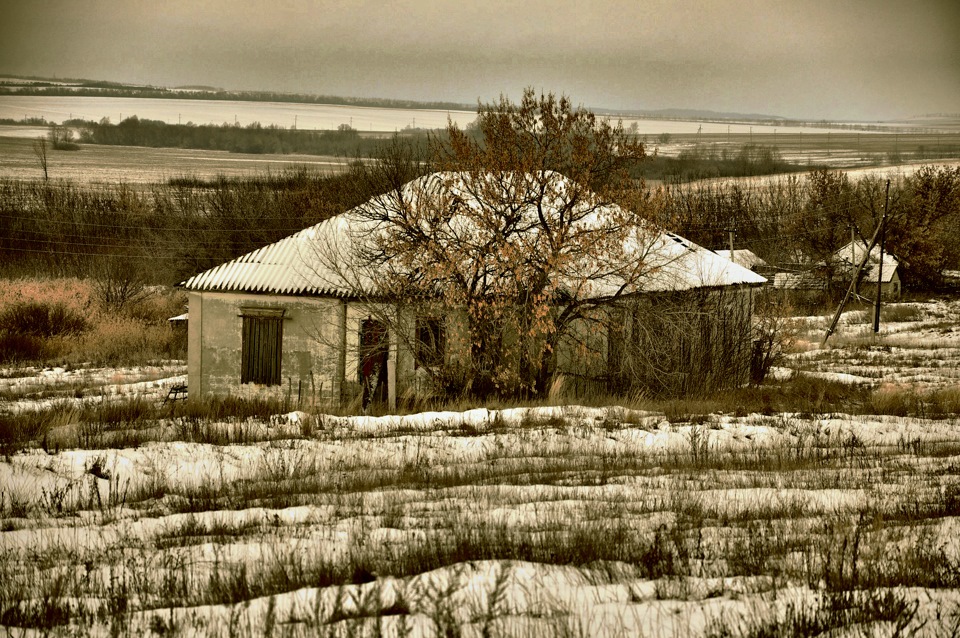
column 392, row 384
column 883, row 234
column 853, row 251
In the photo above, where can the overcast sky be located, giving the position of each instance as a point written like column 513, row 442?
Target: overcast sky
column 846, row 59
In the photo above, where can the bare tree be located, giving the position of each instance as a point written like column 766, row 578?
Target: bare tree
column 40, row 152
column 525, row 229
column 119, row 281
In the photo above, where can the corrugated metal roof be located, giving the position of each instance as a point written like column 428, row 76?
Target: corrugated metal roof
column 318, row 260
column 889, row 270
column 742, row 256
column 799, row 281
column 852, row 254
column 300, row 264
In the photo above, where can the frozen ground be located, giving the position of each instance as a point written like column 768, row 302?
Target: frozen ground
column 34, row 388
column 658, row 528
column 551, row 521
column 918, row 344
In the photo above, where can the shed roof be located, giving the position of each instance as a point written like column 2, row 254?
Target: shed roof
column 317, row 260
column 743, row 256
column 798, row 281
column 852, row 254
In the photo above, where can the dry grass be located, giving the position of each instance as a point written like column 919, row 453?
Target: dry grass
column 135, row 336
column 343, row 530
column 921, row 348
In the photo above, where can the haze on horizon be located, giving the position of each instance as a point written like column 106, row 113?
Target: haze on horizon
column 805, row 59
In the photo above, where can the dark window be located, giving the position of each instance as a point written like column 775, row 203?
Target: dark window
column 262, row 341
column 431, row 342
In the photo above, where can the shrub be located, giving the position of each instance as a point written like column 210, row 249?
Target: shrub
column 41, row 319
column 61, row 321
column 894, row 400
column 17, row 430
column 944, row 401
column 119, row 340
column 774, row 332
column 18, row 348
column 896, row 313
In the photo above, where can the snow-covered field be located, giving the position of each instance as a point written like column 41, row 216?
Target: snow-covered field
column 312, row 116
column 918, row 345
column 172, row 111
column 548, row 521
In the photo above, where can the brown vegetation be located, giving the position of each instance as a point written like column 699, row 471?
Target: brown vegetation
column 65, row 321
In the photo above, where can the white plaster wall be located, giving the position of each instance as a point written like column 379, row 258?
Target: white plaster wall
column 310, row 350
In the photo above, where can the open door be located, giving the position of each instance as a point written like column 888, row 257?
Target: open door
column 374, row 351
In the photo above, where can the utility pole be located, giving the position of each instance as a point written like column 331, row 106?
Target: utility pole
column 853, row 251
column 883, row 235
column 856, row 275
column 731, row 232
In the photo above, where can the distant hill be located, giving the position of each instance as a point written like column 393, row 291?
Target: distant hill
column 54, row 87
column 34, row 85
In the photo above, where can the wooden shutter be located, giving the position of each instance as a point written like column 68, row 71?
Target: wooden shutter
column 261, row 350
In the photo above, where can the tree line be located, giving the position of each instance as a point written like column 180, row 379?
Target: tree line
column 797, row 221
column 252, row 138
column 699, row 163
column 690, row 165
column 176, row 229
column 163, row 233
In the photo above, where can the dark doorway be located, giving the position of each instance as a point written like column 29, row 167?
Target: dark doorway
column 374, row 349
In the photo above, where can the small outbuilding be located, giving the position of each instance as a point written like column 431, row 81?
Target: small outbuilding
column 849, row 257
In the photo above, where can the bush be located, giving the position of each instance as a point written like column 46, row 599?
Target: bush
column 124, row 341
column 41, row 319
column 895, row 313
column 18, row 348
column 60, row 321
column 894, row 400
column 943, row 401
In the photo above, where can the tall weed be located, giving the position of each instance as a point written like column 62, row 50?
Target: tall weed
column 61, row 321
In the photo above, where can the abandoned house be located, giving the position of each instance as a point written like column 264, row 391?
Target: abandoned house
column 849, row 257
column 295, row 319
